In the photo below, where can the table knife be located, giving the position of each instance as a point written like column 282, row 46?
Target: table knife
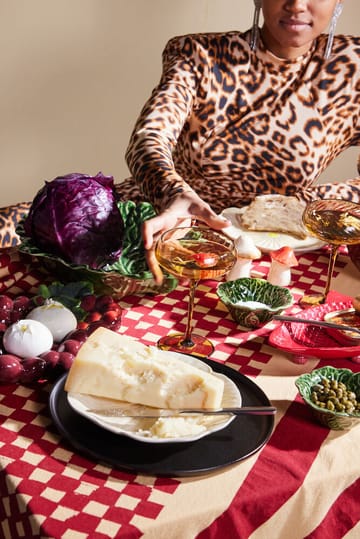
column 323, row 323
column 156, row 414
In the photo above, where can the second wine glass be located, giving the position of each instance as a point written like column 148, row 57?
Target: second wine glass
column 193, row 253
column 336, row 222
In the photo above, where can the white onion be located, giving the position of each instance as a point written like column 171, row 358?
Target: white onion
column 55, row 316
column 27, row 338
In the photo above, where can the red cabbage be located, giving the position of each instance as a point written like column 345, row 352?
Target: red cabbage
column 76, row 217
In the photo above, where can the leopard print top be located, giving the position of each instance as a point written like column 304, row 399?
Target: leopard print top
column 232, row 124
column 9, row 219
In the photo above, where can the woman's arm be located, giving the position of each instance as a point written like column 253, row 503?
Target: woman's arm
column 347, row 190
column 149, row 154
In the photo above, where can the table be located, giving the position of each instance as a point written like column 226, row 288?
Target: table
column 304, row 483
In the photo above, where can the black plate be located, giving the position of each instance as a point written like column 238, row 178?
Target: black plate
column 243, row 437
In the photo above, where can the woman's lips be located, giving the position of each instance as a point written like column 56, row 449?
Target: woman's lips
column 294, row 24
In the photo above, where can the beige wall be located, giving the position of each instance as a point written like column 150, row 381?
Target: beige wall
column 75, row 73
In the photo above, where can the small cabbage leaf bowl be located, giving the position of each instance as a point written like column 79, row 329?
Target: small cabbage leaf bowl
column 253, row 302
column 332, row 419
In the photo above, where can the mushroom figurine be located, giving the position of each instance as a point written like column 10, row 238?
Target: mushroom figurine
column 282, row 260
column 246, row 252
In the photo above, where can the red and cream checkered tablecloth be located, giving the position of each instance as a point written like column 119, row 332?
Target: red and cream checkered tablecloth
column 304, row 483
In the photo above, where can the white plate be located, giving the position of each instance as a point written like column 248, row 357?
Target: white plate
column 139, row 428
column 269, row 241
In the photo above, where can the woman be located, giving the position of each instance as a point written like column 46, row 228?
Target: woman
column 237, row 115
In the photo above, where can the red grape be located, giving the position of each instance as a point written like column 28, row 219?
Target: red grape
column 65, row 360
column 70, row 345
column 113, row 307
column 102, row 302
column 6, row 303
column 3, row 327
column 93, row 317
column 88, row 302
column 10, row 369
column 5, row 316
column 51, row 358
column 21, row 303
column 110, row 317
column 33, row 369
column 78, row 335
column 38, row 301
column 15, row 316
column 83, row 325
column 116, row 326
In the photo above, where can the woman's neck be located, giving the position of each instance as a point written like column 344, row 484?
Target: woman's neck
column 289, row 51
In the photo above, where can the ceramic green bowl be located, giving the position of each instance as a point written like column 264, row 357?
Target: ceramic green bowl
column 116, row 283
column 331, row 419
column 253, row 302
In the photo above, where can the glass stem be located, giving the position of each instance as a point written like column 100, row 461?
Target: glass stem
column 187, row 337
column 333, row 254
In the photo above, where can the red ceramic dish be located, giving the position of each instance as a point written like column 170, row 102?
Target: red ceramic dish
column 348, row 317
column 304, row 340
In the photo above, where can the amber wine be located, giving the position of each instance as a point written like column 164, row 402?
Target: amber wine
column 334, row 226
column 195, row 259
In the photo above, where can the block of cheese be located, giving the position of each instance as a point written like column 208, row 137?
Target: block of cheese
column 118, row 367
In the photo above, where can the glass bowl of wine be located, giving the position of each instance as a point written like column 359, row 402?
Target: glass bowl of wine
column 336, row 222
column 190, row 254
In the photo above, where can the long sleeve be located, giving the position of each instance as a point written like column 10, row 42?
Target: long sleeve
column 347, row 190
column 150, row 152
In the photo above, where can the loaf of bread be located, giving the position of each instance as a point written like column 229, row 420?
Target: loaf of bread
column 275, row 213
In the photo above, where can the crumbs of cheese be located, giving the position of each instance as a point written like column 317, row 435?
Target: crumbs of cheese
column 118, row 367
column 177, row 427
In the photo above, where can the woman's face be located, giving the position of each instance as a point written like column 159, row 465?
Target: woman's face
column 290, row 26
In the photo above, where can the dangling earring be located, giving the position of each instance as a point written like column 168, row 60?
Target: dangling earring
column 333, row 23
column 255, row 26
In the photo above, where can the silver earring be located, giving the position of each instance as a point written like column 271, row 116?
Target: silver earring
column 255, row 27
column 336, row 14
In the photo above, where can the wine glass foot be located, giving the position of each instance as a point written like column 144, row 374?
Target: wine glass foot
column 311, row 300
column 198, row 347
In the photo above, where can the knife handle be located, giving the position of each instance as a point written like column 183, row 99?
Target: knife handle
column 253, row 410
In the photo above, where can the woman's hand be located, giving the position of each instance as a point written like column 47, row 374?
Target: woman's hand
column 180, row 212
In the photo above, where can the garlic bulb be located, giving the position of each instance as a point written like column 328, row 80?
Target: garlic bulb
column 27, row 338
column 55, row 316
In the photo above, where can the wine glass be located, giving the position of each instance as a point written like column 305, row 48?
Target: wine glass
column 193, row 253
column 336, row 222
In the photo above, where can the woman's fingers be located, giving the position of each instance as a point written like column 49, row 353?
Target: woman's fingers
column 154, row 227
column 154, row 266
column 186, row 208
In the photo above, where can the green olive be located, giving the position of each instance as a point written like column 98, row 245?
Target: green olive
column 334, row 396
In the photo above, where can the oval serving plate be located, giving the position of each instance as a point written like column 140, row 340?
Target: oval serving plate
column 140, row 428
column 270, row 241
column 313, row 341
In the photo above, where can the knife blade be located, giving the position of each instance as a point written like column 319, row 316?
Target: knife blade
column 323, row 323
column 158, row 413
